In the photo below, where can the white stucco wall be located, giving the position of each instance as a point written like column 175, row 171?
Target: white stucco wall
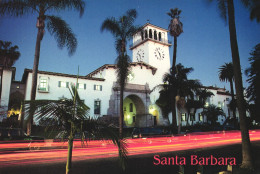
column 5, row 93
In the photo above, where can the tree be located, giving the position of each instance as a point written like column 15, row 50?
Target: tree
column 55, row 25
column 227, row 11
column 212, row 112
column 226, row 73
column 122, row 29
column 8, row 54
column 178, row 84
column 253, row 74
column 254, row 7
column 72, row 116
column 176, row 28
column 193, row 104
column 204, row 95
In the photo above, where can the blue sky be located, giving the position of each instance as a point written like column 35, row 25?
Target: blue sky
column 204, row 45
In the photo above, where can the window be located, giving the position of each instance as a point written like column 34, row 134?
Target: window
column 160, row 36
column 145, row 34
column 183, row 117
column 63, row 84
column 98, row 87
column 155, row 35
column 97, row 104
column 131, row 107
column 133, row 119
column 150, row 34
column 81, row 86
column 219, row 104
column 201, row 117
column 43, row 85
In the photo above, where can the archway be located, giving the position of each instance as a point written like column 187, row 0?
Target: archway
column 133, row 109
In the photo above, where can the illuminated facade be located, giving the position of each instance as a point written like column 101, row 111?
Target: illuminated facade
column 6, row 77
column 100, row 90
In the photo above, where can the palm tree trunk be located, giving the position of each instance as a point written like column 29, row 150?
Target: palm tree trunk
column 247, row 161
column 35, row 72
column 174, row 52
column 174, row 122
column 69, row 157
column 2, row 71
column 233, row 98
column 121, row 113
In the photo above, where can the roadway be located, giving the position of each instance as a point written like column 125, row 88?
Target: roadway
column 17, row 153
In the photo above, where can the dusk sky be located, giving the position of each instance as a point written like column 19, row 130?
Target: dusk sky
column 204, row 45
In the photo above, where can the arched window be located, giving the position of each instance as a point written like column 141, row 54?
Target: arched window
column 145, row 34
column 142, row 35
column 150, row 34
column 155, row 35
column 160, row 36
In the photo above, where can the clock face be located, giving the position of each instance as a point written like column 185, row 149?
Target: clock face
column 140, row 55
column 159, row 54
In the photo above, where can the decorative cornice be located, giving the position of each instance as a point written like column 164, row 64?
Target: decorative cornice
column 114, row 66
column 26, row 71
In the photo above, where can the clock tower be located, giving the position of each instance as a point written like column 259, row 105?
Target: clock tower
column 151, row 46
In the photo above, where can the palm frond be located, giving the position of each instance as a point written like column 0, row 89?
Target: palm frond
column 255, row 10
column 226, row 72
column 17, row 7
column 59, row 5
column 111, row 25
column 62, row 33
column 222, row 6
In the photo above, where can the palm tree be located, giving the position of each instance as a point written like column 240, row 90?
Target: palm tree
column 226, row 73
column 212, row 112
column 227, row 10
column 204, row 95
column 195, row 104
column 122, row 29
column 72, row 116
column 254, row 7
column 176, row 28
column 178, row 84
column 8, row 55
column 55, row 25
column 253, row 74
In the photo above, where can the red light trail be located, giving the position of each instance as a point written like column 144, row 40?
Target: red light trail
column 17, row 153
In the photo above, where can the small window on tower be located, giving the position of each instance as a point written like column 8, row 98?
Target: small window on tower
column 160, row 36
column 145, row 34
column 155, row 35
column 150, row 34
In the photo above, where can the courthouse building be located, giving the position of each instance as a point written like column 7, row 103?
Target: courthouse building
column 100, row 90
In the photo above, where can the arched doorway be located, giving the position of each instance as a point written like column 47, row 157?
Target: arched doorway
column 134, row 109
